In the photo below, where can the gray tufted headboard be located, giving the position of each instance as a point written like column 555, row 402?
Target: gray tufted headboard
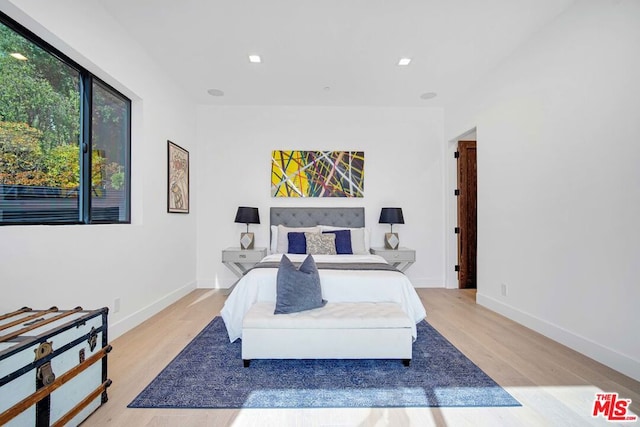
column 308, row 217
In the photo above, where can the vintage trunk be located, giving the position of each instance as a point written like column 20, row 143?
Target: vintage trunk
column 53, row 366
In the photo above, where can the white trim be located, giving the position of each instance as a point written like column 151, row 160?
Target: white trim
column 216, row 284
column 131, row 321
column 451, row 218
column 206, row 284
column 620, row 362
column 428, row 282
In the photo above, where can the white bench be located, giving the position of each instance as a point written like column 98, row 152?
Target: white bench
column 339, row 330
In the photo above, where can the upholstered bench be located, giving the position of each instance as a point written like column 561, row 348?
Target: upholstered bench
column 339, row 330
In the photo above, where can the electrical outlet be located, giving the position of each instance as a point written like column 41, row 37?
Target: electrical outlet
column 503, row 289
column 116, row 305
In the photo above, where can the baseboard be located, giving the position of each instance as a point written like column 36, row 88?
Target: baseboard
column 428, row 282
column 604, row 355
column 206, row 284
column 216, row 284
column 131, row 321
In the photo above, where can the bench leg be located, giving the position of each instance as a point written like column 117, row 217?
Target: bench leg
column 246, row 362
column 406, row 362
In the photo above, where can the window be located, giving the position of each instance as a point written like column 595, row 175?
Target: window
column 64, row 137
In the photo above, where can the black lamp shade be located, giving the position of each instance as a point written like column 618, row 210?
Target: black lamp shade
column 391, row 216
column 247, row 215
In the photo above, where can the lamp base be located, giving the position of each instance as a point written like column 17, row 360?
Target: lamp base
column 391, row 240
column 246, row 240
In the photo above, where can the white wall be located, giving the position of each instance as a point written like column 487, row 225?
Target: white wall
column 147, row 264
column 403, row 150
column 558, row 181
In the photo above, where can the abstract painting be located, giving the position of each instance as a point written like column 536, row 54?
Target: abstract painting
column 317, row 173
column 178, row 183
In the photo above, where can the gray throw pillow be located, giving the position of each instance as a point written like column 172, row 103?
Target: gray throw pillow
column 321, row 244
column 298, row 289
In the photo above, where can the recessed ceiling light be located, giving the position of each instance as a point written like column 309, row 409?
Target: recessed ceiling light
column 428, row 95
column 19, row 56
column 404, row 61
column 255, row 58
column 215, row 92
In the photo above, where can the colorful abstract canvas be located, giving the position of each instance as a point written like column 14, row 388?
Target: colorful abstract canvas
column 317, row 173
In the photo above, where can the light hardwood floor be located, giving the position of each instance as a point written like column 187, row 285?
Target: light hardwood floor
column 555, row 385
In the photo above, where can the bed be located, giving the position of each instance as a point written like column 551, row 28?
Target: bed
column 340, row 281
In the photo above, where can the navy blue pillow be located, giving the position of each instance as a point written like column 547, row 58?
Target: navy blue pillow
column 343, row 241
column 298, row 289
column 297, row 243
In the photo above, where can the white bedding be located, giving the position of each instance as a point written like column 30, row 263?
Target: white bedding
column 337, row 286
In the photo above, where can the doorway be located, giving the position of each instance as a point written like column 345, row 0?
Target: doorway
column 467, row 213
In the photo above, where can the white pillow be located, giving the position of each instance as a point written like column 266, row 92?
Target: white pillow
column 367, row 241
column 274, row 239
column 282, row 245
column 360, row 240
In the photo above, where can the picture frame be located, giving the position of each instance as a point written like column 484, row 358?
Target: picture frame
column 177, row 179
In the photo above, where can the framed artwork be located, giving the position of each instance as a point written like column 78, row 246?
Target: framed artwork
column 317, row 173
column 178, row 182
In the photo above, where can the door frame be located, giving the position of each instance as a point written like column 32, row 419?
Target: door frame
column 451, row 208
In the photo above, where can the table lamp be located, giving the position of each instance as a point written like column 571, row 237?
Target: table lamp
column 391, row 216
column 246, row 215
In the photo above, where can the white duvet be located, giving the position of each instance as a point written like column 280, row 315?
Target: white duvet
column 337, row 286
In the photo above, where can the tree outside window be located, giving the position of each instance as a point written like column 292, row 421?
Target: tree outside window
column 42, row 140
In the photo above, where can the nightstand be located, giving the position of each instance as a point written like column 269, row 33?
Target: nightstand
column 400, row 258
column 241, row 260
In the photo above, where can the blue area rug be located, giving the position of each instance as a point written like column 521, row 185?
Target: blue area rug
column 209, row 373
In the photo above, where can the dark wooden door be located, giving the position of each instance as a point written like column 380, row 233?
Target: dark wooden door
column 467, row 217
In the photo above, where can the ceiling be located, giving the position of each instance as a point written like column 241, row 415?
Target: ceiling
column 330, row 52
